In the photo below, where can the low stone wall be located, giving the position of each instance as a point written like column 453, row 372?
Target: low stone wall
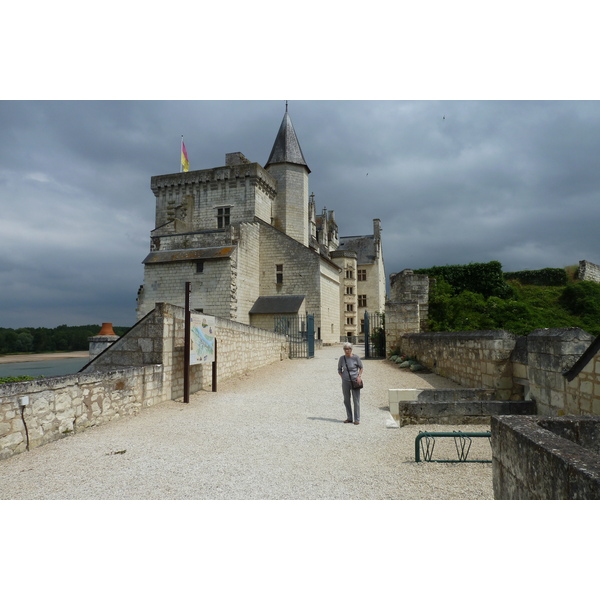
column 475, row 359
column 537, row 458
column 33, row 413
column 141, row 369
column 455, row 406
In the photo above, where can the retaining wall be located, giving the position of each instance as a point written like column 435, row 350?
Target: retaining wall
column 454, row 406
column 557, row 369
column 475, row 359
column 537, row 458
column 143, row 368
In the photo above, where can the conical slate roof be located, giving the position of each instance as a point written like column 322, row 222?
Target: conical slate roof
column 286, row 148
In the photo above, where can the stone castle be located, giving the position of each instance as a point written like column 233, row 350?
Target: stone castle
column 252, row 244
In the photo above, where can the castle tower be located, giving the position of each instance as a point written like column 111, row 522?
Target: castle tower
column 287, row 165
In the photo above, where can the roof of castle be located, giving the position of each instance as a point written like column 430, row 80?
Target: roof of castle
column 286, row 148
column 363, row 245
column 277, row 305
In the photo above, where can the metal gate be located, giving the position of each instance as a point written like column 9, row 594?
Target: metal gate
column 301, row 334
column 374, row 335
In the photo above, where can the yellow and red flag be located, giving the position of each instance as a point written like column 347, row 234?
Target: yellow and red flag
column 185, row 163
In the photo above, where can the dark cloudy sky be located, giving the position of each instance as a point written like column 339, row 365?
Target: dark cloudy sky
column 452, row 180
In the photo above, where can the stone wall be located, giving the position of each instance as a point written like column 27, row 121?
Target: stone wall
column 588, row 271
column 400, row 318
column 408, row 307
column 550, row 353
column 475, row 359
column 192, row 198
column 537, row 458
column 557, row 369
column 454, row 406
column 33, row 413
column 142, row 368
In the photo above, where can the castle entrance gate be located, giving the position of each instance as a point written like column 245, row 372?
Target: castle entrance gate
column 374, row 335
column 300, row 330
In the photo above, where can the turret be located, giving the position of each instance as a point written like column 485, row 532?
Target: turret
column 287, row 165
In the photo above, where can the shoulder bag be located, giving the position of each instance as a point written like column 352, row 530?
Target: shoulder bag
column 357, row 383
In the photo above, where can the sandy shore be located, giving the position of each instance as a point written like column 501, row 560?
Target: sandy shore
column 17, row 358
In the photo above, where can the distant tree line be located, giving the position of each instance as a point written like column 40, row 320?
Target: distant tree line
column 63, row 338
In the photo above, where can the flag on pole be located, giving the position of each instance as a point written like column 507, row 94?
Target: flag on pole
column 185, row 163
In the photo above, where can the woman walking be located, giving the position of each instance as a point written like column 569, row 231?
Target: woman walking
column 350, row 368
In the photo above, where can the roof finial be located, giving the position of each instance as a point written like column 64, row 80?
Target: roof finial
column 286, row 106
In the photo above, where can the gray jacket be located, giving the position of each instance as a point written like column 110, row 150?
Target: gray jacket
column 354, row 365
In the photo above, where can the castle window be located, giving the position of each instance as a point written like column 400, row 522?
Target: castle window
column 362, row 325
column 349, row 291
column 223, row 216
column 349, row 320
column 350, row 307
column 279, row 274
column 362, row 300
column 349, row 274
column 199, row 266
column 362, row 274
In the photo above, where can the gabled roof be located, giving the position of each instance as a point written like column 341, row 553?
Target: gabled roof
column 286, row 148
column 269, row 305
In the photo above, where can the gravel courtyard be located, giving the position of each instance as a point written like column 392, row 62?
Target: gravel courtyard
column 276, row 433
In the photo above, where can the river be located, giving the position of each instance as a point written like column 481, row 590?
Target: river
column 43, row 368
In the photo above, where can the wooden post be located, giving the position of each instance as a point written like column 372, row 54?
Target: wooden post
column 214, row 369
column 187, row 345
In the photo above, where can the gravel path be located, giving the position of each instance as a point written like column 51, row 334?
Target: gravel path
column 275, row 433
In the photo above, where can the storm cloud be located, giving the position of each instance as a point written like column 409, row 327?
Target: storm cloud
column 453, row 182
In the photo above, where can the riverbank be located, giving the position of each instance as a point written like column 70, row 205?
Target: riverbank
column 19, row 358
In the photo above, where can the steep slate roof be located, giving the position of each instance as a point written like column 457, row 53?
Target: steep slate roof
column 267, row 305
column 363, row 245
column 286, row 148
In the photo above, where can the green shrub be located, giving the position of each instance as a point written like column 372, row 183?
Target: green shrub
column 539, row 277
column 481, row 278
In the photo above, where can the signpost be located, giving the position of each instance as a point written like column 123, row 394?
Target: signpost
column 200, row 344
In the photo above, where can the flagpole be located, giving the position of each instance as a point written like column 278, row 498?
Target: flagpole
column 180, row 155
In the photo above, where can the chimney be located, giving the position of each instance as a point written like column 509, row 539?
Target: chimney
column 377, row 235
column 102, row 340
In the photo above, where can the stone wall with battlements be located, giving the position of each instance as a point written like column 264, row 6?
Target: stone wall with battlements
column 190, row 200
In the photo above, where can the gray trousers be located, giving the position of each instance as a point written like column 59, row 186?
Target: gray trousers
column 347, row 391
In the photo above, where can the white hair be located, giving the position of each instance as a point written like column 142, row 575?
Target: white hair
column 348, row 345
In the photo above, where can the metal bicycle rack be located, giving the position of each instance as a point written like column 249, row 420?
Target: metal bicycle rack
column 425, row 443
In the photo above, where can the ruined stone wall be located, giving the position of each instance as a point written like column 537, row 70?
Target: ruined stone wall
column 408, row 307
column 400, row 318
column 141, row 369
column 588, row 271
